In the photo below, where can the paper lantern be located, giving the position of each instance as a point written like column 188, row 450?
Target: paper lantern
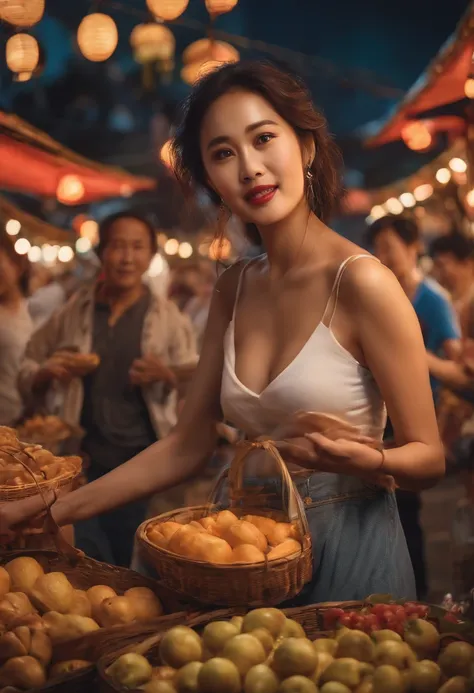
column 417, row 136
column 216, row 7
column 22, row 53
column 193, row 72
column 70, row 190
column 22, row 13
column 97, row 37
column 167, row 10
column 151, row 42
column 205, row 49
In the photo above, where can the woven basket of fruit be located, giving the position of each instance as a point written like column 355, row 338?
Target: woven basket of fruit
column 271, row 651
column 244, row 555
column 27, row 469
column 60, row 613
column 51, row 432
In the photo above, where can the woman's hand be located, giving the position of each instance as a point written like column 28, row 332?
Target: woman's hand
column 27, row 513
column 151, row 369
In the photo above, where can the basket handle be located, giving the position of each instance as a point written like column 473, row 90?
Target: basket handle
column 235, row 475
column 63, row 547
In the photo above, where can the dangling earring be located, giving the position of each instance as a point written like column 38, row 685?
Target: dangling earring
column 310, row 186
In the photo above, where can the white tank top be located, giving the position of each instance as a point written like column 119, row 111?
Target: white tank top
column 323, row 377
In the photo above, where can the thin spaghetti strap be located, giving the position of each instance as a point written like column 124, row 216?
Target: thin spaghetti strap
column 334, row 295
column 239, row 285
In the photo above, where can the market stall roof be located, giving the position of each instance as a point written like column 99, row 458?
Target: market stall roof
column 31, row 225
column 35, row 163
column 442, row 83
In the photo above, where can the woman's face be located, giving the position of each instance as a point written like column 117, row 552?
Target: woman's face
column 9, row 275
column 253, row 158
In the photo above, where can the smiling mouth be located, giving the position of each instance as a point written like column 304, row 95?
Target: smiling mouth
column 261, row 195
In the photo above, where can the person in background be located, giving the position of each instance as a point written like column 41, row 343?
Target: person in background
column 129, row 400
column 15, row 328
column 197, row 308
column 396, row 242
column 50, row 296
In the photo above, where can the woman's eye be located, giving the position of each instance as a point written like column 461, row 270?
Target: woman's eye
column 222, row 154
column 264, row 138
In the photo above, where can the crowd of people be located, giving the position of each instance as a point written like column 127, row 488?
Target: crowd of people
column 368, row 342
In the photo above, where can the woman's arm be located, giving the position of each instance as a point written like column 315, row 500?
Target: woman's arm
column 392, row 343
column 169, row 461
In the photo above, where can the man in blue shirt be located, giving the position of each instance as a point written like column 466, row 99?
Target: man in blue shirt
column 396, row 242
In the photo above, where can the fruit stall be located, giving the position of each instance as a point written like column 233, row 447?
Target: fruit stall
column 71, row 624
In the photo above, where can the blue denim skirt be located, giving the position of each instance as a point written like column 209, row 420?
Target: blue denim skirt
column 359, row 547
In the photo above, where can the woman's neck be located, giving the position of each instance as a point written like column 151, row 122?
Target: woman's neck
column 288, row 242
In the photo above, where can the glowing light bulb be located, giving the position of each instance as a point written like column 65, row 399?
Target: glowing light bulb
column 22, row 246
column 13, row 227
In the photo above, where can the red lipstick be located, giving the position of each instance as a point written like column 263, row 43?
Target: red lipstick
column 261, row 194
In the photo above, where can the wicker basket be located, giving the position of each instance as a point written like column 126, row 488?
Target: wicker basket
column 84, row 572
column 310, row 617
column 64, row 482
column 251, row 584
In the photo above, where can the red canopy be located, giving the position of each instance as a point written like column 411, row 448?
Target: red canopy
column 442, row 83
column 36, row 164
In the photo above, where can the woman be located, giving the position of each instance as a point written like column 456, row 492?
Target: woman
column 15, row 328
column 306, row 327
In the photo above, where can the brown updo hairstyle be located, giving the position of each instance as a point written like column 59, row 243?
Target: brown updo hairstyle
column 290, row 98
column 21, row 262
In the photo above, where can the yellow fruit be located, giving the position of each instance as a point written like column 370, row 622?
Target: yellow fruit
column 245, row 651
column 187, row 678
column 179, row 646
column 385, row 634
column 346, row 671
column 23, row 572
column 22, row 672
column 130, row 670
column 423, row 638
column 246, row 553
column 245, row 533
column 62, row 668
column 219, row 675
column 264, row 524
column 145, row 603
column 224, row 520
column 115, row 611
column 293, row 629
column 52, row 592
column 216, row 634
column 97, row 594
column 335, row 687
column 328, row 645
column 265, row 638
column 273, row 620
column 158, row 687
column 398, row 654
column 80, row 604
column 297, row 684
column 284, row 549
column 387, row 679
column 5, row 585
column 261, row 679
column 237, row 621
column 13, row 606
column 458, row 684
column 340, row 632
column 324, row 659
column 295, row 656
column 456, row 659
column 424, row 676
column 163, row 673
column 356, row 645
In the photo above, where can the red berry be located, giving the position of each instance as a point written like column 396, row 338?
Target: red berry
column 331, row 617
column 371, row 623
column 379, row 609
column 399, row 612
column 346, row 620
column 423, row 611
column 411, row 608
